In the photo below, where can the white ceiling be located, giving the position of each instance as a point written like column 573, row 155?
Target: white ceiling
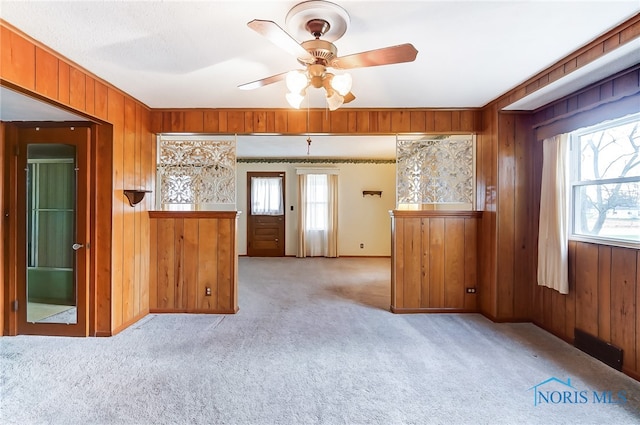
column 194, row 54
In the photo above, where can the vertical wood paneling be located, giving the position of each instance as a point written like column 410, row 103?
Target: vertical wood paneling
column 154, row 263
column 208, row 254
column 46, row 73
column 3, row 204
column 470, row 263
column 425, row 263
column 178, row 263
column 191, row 260
column 398, row 272
column 63, row 82
column 90, row 95
column 454, row 264
column 116, row 114
column 604, row 292
column 101, row 100
column 506, row 216
column 224, row 270
column 436, row 262
column 412, row 254
column 434, row 259
column 166, row 263
column 623, row 301
column 77, row 89
column 192, row 253
column 17, row 59
column 194, row 121
column 570, row 298
column 39, row 70
column 586, row 287
column 129, row 278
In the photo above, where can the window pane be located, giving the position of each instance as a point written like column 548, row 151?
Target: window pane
column 317, row 212
column 605, row 179
column 610, row 153
column 266, row 196
column 608, row 210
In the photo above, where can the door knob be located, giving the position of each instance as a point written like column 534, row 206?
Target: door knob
column 76, row 246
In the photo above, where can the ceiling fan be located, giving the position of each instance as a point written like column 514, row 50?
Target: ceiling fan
column 325, row 22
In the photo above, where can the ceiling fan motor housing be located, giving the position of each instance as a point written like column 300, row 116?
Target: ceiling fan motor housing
column 323, row 51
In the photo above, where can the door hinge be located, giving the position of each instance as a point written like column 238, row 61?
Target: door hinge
column 15, row 305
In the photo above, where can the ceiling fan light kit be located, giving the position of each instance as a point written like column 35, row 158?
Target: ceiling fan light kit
column 327, row 20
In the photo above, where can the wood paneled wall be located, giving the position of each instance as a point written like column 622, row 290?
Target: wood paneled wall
column 434, row 260
column 603, row 291
column 342, row 121
column 507, row 184
column 603, row 300
column 125, row 159
column 193, row 251
column 3, row 234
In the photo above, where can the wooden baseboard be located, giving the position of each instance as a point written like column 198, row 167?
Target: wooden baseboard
column 123, row 326
column 192, row 311
column 429, row 310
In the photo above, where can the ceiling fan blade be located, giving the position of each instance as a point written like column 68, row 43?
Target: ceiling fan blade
column 280, row 38
column 349, row 97
column 385, row 56
column 263, row 82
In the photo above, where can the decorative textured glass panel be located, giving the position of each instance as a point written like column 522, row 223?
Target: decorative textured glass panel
column 197, row 172
column 435, row 171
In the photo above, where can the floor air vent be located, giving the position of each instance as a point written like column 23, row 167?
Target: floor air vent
column 601, row 350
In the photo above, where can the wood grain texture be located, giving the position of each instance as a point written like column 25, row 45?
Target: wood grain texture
column 434, row 259
column 345, row 121
column 190, row 254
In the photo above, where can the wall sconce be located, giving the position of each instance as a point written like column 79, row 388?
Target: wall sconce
column 135, row 196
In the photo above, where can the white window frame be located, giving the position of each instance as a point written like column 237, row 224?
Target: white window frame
column 575, row 184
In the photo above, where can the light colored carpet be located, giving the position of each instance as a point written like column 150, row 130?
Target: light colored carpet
column 313, row 343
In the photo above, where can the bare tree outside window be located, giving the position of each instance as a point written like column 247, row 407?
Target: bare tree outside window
column 606, row 181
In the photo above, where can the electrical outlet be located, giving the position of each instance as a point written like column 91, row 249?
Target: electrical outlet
column 207, row 291
column 361, row 245
column 471, row 290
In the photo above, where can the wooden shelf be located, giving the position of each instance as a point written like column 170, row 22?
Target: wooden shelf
column 372, row 193
column 135, row 196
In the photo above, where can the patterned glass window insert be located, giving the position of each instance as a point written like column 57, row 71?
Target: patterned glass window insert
column 435, row 171
column 197, row 172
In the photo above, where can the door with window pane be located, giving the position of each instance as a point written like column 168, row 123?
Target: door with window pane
column 53, row 231
column 266, row 218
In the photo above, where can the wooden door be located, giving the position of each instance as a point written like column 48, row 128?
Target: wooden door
column 52, row 220
column 266, row 218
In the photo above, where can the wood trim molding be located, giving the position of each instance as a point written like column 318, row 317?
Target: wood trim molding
column 435, row 214
column 193, row 214
column 620, row 35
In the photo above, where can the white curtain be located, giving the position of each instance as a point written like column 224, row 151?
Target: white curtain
column 317, row 215
column 553, row 233
column 266, row 196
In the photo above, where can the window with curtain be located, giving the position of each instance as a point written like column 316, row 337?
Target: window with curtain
column 266, row 196
column 317, row 214
column 605, row 181
column 317, row 202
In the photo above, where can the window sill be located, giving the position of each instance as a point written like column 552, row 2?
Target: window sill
column 602, row 241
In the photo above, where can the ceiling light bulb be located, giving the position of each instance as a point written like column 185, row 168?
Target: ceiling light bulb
column 341, row 83
column 334, row 101
column 296, row 80
column 294, row 99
